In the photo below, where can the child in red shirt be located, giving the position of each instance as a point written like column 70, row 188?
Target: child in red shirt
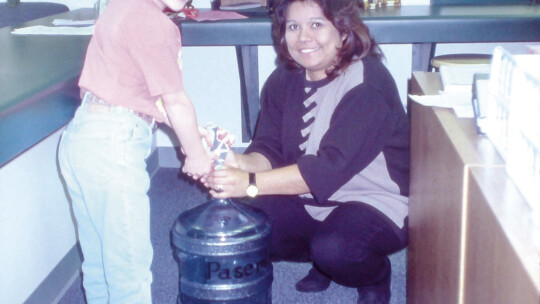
column 131, row 79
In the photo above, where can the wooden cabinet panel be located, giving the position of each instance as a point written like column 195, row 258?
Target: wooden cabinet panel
column 501, row 264
column 462, row 203
column 434, row 212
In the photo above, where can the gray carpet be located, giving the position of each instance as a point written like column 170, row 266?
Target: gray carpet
column 169, row 196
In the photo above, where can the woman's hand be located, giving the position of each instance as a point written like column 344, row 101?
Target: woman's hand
column 227, row 182
column 231, row 160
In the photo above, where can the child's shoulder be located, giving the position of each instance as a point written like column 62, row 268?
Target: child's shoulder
column 147, row 24
column 138, row 13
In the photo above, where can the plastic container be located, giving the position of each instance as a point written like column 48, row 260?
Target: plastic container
column 223, row 252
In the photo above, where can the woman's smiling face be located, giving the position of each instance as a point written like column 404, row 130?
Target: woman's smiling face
column 312, row 40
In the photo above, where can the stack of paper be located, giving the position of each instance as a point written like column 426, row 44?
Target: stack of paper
column 241, row 4
column 457, row 81
column 54, row 30
column 459, row 78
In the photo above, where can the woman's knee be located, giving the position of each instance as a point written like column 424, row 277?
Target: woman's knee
column 333, row 250
column 345, row 263
column 329, row 249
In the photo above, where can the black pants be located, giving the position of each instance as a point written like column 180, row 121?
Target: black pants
column 351, row 246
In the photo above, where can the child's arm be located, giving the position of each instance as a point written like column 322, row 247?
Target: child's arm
column 182, row 118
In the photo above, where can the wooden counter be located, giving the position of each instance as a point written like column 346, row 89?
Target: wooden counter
column 470, row 228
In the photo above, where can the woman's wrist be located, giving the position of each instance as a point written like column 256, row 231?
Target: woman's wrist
column 253, row 162
column 241, row 161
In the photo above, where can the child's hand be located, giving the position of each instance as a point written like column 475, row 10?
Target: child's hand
column 205, row 137
column 198, row 167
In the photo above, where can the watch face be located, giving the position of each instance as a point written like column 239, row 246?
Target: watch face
column 252, row 190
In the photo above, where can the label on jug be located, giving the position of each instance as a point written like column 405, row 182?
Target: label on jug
column 226, row 269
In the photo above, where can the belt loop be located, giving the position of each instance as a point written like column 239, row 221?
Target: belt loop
column 84, row 101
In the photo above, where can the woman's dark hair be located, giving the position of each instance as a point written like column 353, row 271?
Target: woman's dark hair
column 345, row 16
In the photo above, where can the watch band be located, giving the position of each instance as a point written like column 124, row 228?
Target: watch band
column 252, row 189
column 252, row 180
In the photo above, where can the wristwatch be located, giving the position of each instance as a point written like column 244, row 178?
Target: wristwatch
column 252, row 189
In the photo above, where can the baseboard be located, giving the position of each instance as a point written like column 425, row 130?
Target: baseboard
column 59, row 279
column 169, row 157
column 152, row 163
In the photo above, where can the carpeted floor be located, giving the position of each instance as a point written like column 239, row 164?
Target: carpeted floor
column 169, row 196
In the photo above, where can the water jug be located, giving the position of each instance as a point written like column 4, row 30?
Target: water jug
column 222, row 248
column 223, row 251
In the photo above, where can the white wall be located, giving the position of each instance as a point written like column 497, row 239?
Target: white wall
column 36, row 225
column 212, row 81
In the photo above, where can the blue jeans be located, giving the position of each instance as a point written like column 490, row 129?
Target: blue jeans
column 102, row 159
